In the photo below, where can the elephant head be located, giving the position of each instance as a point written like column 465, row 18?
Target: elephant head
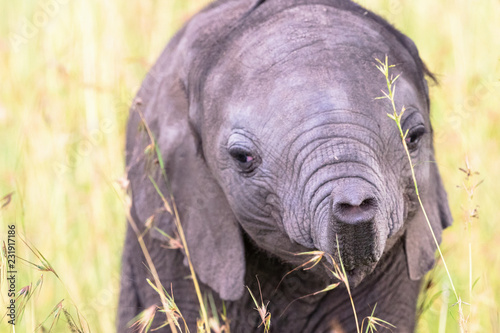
column 266, row 117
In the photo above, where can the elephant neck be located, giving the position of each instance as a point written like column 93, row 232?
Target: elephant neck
column 279, row 282
column 294, row 306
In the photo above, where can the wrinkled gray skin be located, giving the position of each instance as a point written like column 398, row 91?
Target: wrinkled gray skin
column 273, row 141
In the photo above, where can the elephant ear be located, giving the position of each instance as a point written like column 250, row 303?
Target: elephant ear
column 213, row 236
column 420, row 245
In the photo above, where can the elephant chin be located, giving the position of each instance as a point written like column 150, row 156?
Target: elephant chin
column 354, row 275
column 358, row 274
column 357, row 271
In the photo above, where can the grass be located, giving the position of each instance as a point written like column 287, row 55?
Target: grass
column 65, row 94
column 339, row 273
column 396, row 116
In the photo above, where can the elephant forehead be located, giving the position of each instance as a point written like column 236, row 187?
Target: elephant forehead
column 298, row 100
column 309, row 27
column 304, row 59
column 300, row 36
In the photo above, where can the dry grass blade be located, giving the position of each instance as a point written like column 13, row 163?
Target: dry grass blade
column 373, row 322
column 174, row 243
column 265, row 316
column 342, row 275
column 471, row 214
column 158, row 286
column 5, row 201
column 45, row 264
column 153, row 147
column 186, row 250
column 56, row 313
column 24, row 295
column 143, row 321
column 316, row 259
column 149, row 260
column 165, row 202
column 339, row 272
column 172, row 308
column 384, row 67
column 172, row 209
column 225, row 318
column 73, row 326
column 324, row 290
column 215, row 323
column 327, row 288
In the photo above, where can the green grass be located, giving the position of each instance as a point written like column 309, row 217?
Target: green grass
column 64, row 103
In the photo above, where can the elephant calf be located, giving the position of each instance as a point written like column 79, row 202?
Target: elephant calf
column 273, row 143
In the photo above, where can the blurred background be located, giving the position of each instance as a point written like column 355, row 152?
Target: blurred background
column 70, row 69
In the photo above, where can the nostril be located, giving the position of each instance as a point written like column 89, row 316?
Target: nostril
column 349, row 213
column 368, row 204
column 345, row 207
column 364, row 205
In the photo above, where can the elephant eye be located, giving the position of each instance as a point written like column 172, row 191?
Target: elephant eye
column 414, row 135
column 244, row 159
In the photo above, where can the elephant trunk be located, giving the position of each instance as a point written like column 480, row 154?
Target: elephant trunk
column 354, row 224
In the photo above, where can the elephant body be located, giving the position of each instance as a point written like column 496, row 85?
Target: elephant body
column 273, row 143
column 388, row 288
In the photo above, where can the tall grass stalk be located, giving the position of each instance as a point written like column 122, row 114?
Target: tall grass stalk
column 471, row 213
column 172, row 209
column 339, row 272
column 24, row 295
column 343, row 278
column 265, row 315
column 140, row 238
column 384, row 67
